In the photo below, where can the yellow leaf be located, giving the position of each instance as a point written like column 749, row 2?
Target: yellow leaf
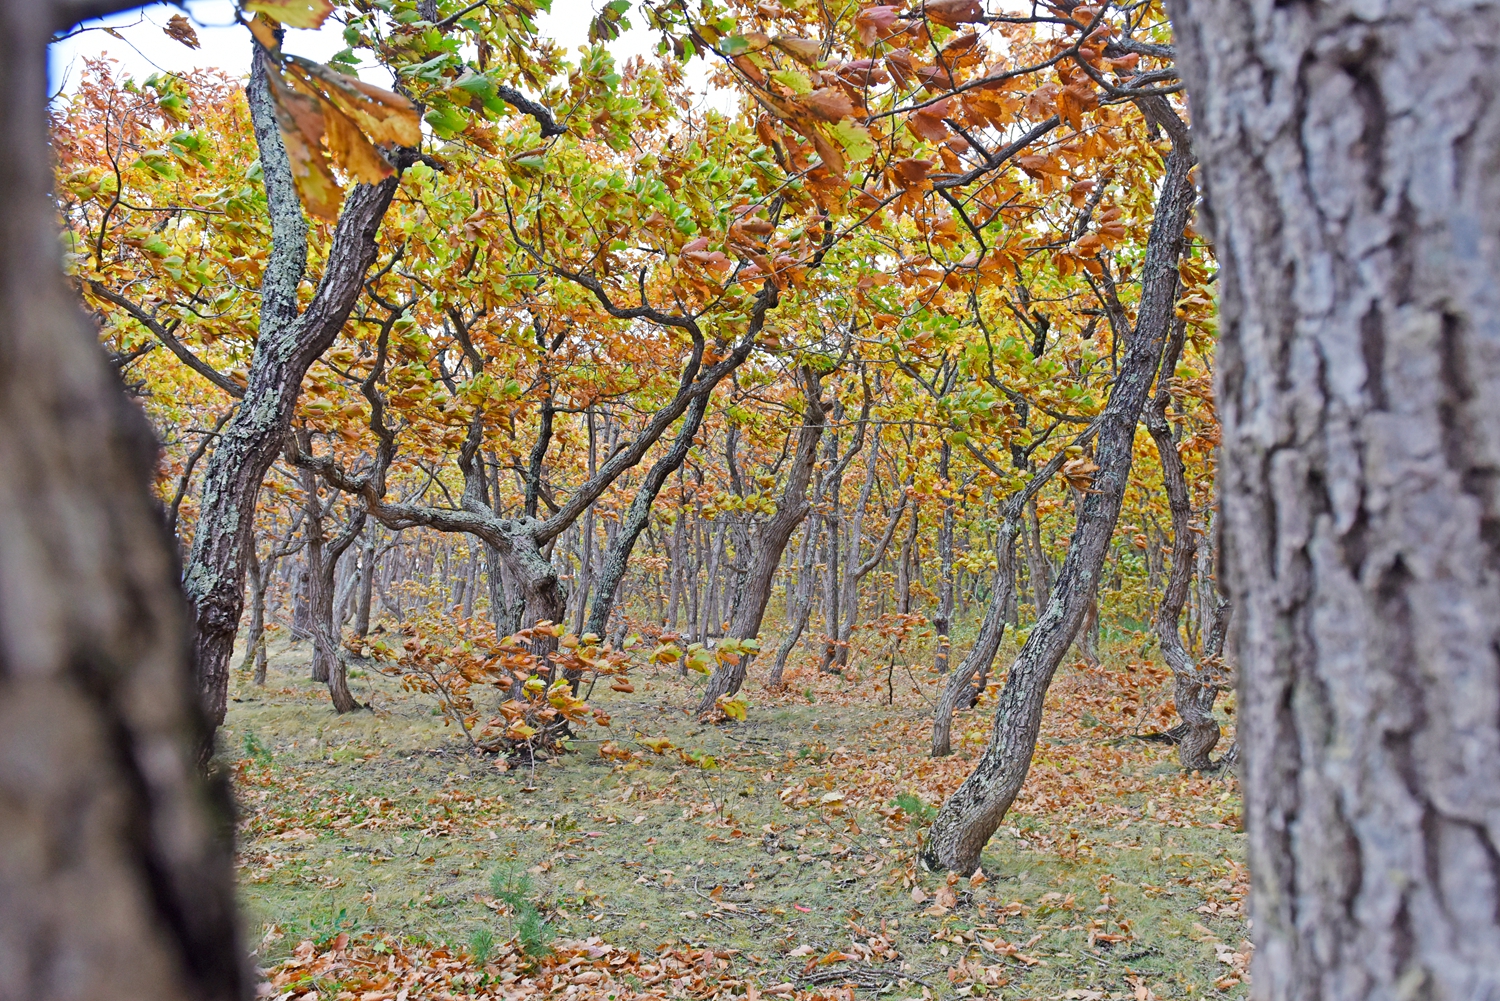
column 296, row 13
column 804, row 50
column 734, row 708
column 351, row 150
column 657, row 744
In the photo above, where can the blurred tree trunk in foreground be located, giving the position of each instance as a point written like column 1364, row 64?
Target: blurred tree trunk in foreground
column 115, row 867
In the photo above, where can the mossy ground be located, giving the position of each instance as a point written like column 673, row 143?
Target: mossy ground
column 789, row 851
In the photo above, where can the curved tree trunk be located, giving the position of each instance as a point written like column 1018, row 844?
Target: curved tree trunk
column 958, row 688
column 971, row 815
column 1195, row 684
column 287, row 346
column 617, row 556
column 799, row 608
column 770, row 544
column 1350, row 156
column 116, row 876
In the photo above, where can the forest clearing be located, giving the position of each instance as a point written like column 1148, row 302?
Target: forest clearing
column 793, row 861
column 915, row 499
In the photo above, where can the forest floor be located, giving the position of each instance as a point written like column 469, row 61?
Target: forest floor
column 377, row 854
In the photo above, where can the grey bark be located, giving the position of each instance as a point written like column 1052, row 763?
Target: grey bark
column 115, row 852
column 287, row 345
column 1195, row 683
column 966, row 822
column 771, row 541
column 1350, row 155
column 322, row 563
column 961, row 685
column 942, row 622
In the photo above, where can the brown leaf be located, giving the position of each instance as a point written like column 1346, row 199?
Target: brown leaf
column 804, row 50
column 294, row 13
column 911, row 172
column 181, row 29
column 300, row 119
column 351, row 150
column 952, row 13
column 383, row 116
column 833, row 156
column 829, row 104
column 874, row 23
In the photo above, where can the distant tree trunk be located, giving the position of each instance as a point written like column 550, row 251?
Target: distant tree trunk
column 966, row 822
column 799, row 608
column 770, row 543
column 290, row 340
column 1038, row 567
column 322, row 562
column 903, row 565
column 942, row 622
column 366, row 587
column 116, row 876
column 959, row 687
column 617, row 557
column 255, row 638
column 1350, row 155
column 1195, row 683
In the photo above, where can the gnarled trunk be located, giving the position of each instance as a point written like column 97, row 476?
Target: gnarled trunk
column 971, row 815
column 116, row 876
column 288, row 344
column 1350, row 154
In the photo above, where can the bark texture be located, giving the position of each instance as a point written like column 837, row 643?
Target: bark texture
column 966, row 822
column 115, row 866
column 1350, row 153
column 289, row 343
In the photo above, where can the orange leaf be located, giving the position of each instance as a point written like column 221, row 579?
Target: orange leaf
column 181, row 29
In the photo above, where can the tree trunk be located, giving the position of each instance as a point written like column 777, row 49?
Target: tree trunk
column 255, row 638
column 800, row 608
column 1195, row 683
column 322, row 563
column 770, row 544
column 942, row 622
column 617, row 556
column 1350, row 156
column 287, row 346
column 366, row 587
column 958, row 689
column 116, row 876
column 972, row 814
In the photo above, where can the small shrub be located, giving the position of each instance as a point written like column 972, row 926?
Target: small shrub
column 512, row 886
column 914, row 808
column 481, row 946
column 255, row 750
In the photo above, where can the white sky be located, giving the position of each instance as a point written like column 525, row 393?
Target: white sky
column 147, row 49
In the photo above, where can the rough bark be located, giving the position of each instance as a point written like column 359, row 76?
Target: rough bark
column 966, row 822
column 115, row 864
column 770, row 543
column 1350, row 154
column 1195, row 683
column 287, row 345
